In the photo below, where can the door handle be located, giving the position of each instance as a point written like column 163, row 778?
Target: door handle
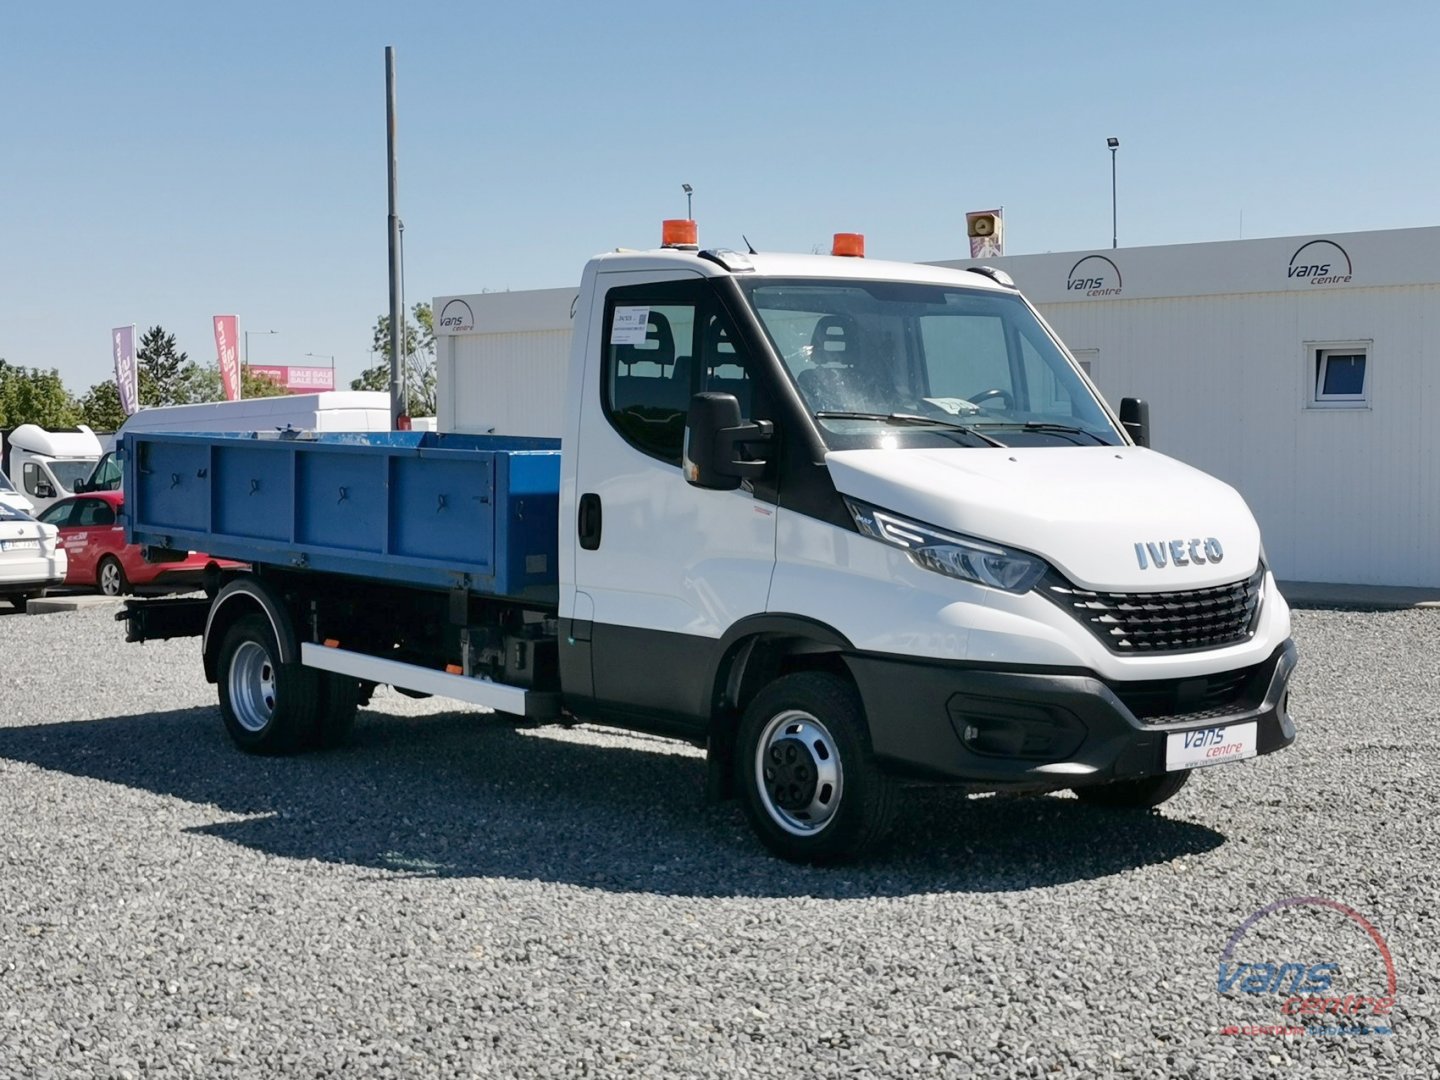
column 589, row 521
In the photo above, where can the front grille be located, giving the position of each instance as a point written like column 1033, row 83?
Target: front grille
column 1163, row 622
column 1207, row 697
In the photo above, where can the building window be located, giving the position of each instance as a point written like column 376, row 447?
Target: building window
column 1339, row 375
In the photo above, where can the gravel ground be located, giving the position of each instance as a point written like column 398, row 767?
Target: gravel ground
column 452, row 897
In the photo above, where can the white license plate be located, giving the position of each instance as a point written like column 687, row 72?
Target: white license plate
column 19, row 545
column 1210, row 746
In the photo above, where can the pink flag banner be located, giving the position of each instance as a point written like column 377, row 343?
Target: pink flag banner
column 127, row 378
column 227, row 339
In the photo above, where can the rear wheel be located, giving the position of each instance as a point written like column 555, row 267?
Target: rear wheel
column 268, row 707
column 1134, row 794
column 110, row 577
column 806, row 773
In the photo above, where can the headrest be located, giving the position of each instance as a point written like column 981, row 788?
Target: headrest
column 834, row 339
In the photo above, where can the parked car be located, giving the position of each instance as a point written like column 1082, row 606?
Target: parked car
column 98, row 554
column 31, row 556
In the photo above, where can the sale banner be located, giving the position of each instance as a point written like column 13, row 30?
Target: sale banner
column 227, row 340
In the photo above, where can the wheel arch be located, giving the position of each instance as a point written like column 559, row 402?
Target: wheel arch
column 752, row 654
column 243, row 596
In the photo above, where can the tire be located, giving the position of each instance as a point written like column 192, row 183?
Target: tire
column 268, row 707
column 1139, row 794
column 806, row 774
column 110, row 577
column 339, row 701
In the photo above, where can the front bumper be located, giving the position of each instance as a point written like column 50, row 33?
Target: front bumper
column 1059, row 728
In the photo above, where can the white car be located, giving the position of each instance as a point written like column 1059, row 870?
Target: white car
column 31, row 558
column 12, row 498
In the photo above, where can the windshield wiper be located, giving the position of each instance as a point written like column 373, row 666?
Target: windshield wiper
column 909, row 418
column 1063, row 429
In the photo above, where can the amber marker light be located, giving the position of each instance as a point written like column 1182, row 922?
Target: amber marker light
column 679, row 233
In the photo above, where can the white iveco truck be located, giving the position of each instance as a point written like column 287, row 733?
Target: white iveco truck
column 842, row 522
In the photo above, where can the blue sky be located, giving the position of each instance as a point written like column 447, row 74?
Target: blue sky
column 165, row 162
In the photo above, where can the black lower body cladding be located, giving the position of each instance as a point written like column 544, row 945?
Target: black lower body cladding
column 1053, row 728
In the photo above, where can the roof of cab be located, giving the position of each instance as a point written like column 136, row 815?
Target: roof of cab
column 767, row 264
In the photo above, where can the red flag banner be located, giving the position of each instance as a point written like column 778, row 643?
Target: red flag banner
column 227, row 340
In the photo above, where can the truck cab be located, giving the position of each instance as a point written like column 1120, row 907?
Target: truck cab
column 845, row 523
column 827, row 479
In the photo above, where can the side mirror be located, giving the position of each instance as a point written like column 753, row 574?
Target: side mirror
column 43, row 490
column 82, row 486
column 1135, row 415
column 714, row 434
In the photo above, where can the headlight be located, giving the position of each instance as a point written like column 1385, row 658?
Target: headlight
column 977, row 561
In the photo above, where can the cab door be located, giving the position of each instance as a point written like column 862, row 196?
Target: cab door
column 662, row 568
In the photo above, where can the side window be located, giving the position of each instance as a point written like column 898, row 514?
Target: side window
column 649, row 369
column 94, row 513
column 58, row 515
column 32, row 478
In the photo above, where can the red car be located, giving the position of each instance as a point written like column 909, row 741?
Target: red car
column 99, row 555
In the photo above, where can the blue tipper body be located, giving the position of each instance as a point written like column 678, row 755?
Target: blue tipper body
column 440, row 511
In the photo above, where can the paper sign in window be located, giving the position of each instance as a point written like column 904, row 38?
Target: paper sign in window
column 630, row 326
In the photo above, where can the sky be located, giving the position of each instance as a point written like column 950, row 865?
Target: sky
column 165, row 162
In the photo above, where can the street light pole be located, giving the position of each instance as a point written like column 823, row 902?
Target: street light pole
column 247, row 341
column 1114, row 145
column 689, row 206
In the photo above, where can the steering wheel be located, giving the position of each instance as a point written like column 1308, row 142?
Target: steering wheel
column 1006, row 398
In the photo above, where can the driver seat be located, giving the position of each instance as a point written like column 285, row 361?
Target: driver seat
column 838, row 379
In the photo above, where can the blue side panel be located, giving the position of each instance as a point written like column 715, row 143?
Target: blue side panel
column 345, row 501
column 533, row 517
column 172, row 481
column 254, row 491
column 444, row 507
column 412, row 507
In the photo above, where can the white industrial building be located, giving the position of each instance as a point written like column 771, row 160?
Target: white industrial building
column 1303, row 370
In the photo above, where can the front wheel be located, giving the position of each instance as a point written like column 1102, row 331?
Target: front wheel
column 1139, row 794
column 806, row 773
column 268, row 707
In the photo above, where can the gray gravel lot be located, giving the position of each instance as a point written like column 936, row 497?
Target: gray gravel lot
column 451, row 897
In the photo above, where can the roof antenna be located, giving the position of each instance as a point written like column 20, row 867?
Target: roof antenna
column 748, row 244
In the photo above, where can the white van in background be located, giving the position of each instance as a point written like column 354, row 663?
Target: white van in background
column 329, row 410
column 45, row 465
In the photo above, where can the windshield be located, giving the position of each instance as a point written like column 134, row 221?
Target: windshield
column 70, row 473
column 903, row 353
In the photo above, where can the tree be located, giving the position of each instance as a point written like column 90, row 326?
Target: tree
column 253, row 385
column 162, row 368
column 419, row 368
column 100, row 407
column 33, row 396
